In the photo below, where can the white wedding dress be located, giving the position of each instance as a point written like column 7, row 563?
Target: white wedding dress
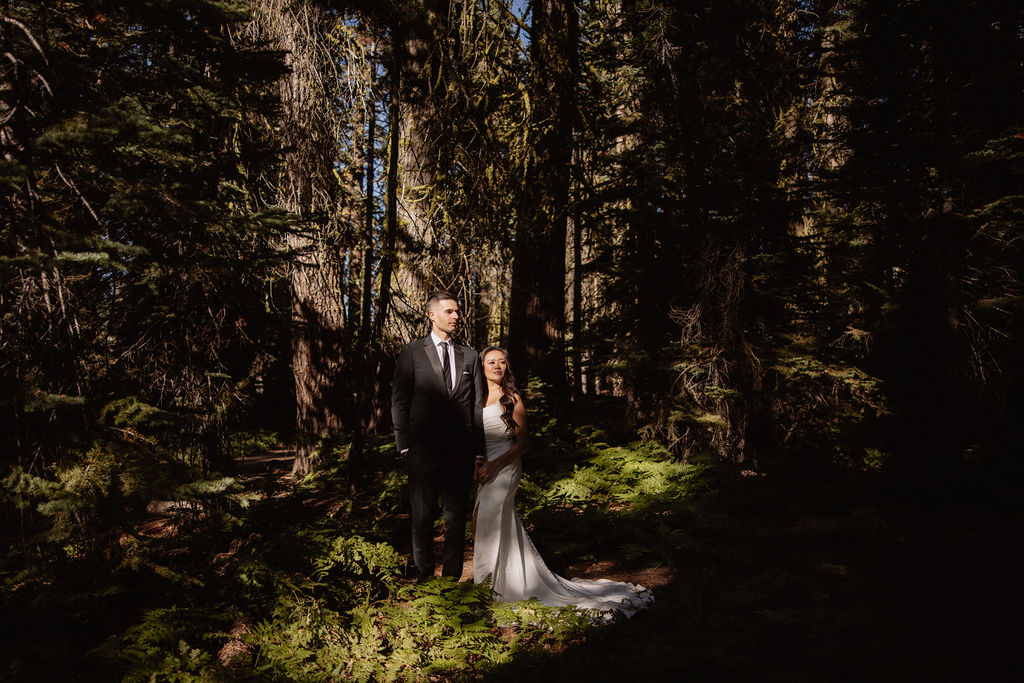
column 504, row 552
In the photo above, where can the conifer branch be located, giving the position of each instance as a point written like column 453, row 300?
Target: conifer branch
column 74, row 188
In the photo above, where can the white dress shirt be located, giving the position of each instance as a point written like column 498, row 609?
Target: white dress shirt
column 440, row 354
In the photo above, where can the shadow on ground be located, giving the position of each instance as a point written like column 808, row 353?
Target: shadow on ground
column 850, row 578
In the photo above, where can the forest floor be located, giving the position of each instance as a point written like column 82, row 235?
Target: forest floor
column 842, row 577
column 836, row 576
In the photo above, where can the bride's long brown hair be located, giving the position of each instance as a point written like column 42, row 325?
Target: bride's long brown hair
column 508, row 389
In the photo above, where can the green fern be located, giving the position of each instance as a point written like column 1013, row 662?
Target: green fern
column 376, row 565
column 160, row 647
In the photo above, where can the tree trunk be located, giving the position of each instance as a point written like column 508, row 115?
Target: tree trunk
column 389, row 252
column 308, row 189
column 576, row 327
column 416, row 69
column 538, row 297
column 365, row 372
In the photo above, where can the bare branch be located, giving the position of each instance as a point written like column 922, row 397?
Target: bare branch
column 81, row 196
column 28, row 34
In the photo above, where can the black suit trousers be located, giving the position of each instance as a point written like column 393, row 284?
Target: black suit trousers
column 438, row 428
column 449, row 479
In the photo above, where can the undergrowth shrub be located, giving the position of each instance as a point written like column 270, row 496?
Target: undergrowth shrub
column 630, row 496
column 370, row 569
column 169, row 644
column 439, row 630
column 304, row 587
column 831, row 408
column 626, row 474
column 82, row 500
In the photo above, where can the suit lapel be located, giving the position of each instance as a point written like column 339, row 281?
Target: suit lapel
column 435, row 362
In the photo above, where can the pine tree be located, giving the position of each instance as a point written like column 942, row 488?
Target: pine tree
column 137, row 246
column 537, row 315
column 927, row 112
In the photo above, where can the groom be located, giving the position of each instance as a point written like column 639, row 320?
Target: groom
column 436, row 409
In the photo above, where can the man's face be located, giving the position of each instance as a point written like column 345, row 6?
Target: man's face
column 444, row 317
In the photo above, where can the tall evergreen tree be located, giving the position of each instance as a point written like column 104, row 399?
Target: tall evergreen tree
column 922, row 210
column 136, row 247
column 538, row 299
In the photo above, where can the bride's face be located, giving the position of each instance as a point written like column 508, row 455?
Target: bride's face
column 495, row 366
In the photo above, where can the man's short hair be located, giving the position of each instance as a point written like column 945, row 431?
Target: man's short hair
column 440, row 295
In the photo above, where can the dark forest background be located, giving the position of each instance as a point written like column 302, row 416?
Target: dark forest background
column 758, row 266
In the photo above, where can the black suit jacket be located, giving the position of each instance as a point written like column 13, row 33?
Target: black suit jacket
column 431, row 421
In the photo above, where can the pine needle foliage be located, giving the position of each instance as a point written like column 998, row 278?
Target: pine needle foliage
column 134, row 248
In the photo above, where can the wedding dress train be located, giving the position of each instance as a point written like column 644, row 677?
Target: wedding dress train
column 504, row 551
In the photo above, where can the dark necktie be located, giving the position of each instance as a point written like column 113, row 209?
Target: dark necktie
column 446, row 367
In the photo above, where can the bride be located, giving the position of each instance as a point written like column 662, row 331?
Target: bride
column 502, row 549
